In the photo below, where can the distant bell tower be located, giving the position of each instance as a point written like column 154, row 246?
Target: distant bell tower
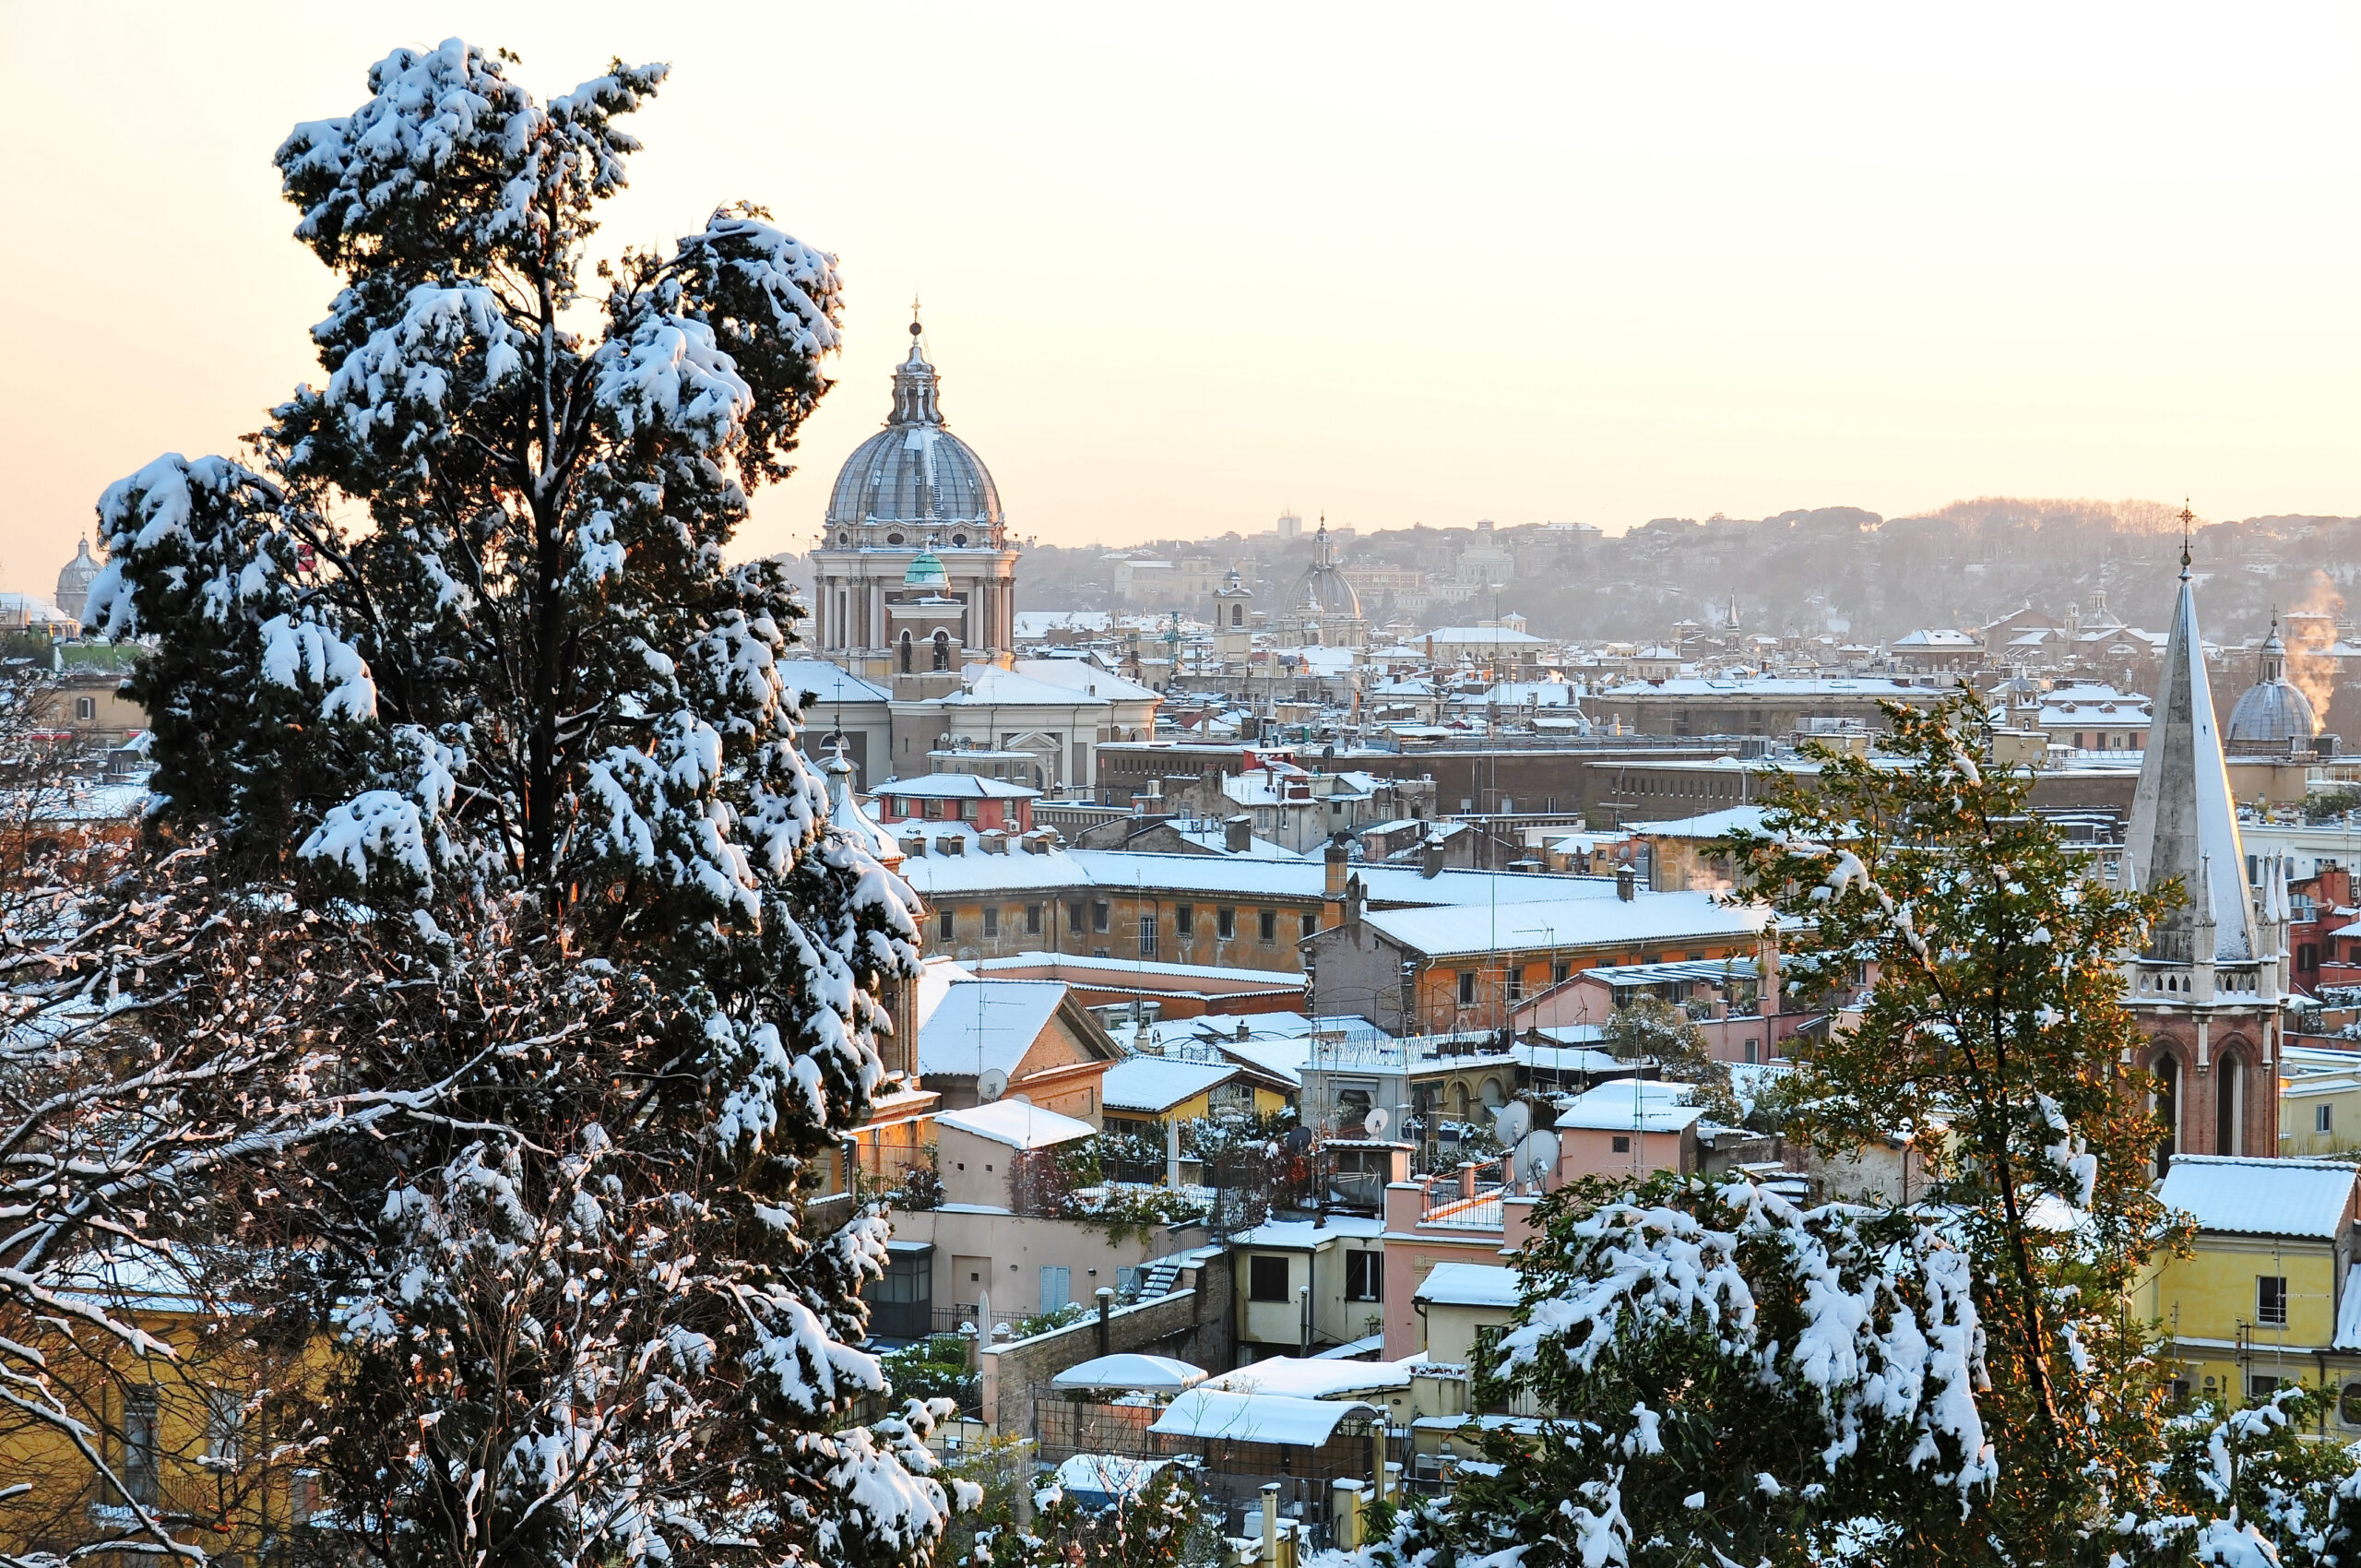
column 2207, row 991
column 1233, row 622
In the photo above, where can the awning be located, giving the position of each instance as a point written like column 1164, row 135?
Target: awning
column 1130, row 1374
column 1258, row 1418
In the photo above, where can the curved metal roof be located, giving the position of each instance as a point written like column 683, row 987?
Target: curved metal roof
column 2273, row 711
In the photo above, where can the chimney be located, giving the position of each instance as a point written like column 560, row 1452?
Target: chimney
column 1626, row 884
column 1355, row 894
column 1237, row 833
column 1337, row 857
column 1106, row 1306
column 1431, row 859
column 1270, row 1521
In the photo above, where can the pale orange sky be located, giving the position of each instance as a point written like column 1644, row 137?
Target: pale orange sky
column 1185, row 265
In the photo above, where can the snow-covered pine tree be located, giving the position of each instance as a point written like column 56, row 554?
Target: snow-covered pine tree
column 460, row 659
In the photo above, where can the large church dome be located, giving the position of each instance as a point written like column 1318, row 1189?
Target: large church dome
column 2273, row 711
column 914, row 480
column 74, row 582
column 1323, row 590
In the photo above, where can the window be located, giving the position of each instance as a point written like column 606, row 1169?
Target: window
column 1310, row 924
column 2348, row 1405
column 1073, row 915
column 1622, row 1143
column 139, row 1445
column 1054, row 1286
column 85, row 707
column 1099, row 916
column 2271, row 1299
column 1032, row 919
column 1467, row 988
column 1184, row 920
column 1270, row 925
column 1559, row 971
column 1364, row 1276
column 1267, row 1278
column 992, row 921
column 2308, row 956
column 2323, row 1118
column 1148, row 934
column 2261, row 1386
column 1516, row 982
column 225, row 1420
column 942, row 924
column 1225, row 923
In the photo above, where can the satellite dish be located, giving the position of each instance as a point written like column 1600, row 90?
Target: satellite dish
column 991, row 1084
column 1536, row 1157
column 1511, row 1121
column 1376, row 1121
column 1296, row 1140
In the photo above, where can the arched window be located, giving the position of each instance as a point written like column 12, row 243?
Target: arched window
column 1238, row 615
column 2167, row 1070
column 2229, row 1104
column 905, row 651
column 942, row 651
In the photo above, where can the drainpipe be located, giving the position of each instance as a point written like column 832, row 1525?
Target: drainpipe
column 1106, row 1306
column 1303, row 1300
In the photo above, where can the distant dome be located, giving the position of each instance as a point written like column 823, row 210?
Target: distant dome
column 926, row 571
column 1323, row 590
column 915, row 472
column 2273, row 711
column 74, row 582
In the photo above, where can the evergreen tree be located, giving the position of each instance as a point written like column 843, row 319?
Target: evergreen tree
column 1994, row 1027
column 459, row 662
column 1651, row 1031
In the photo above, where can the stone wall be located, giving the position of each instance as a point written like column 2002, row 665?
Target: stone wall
column 1191, row 1324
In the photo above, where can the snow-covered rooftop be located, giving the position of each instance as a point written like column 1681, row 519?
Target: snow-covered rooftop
column 1709, row 825
column 1131, row 1373
column 953, row 786
column 1257, row 1418
column 1610, row 1108
column 1586, row 922
column 1469, row 1285
column 1017, row 1124
column 1155, row 1083
column 1310, row 1377
column 2260, row 1198
column 1303, row 1235
column 1240, row 878
column 982, row 1023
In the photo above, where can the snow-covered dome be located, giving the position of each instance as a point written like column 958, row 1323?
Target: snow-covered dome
column 1323, row 590
column 915, row 472
column 926, row 571
column 74, row 582
column 2273, row 711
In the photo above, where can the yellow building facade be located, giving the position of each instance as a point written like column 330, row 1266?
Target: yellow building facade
column 2267, row 1296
